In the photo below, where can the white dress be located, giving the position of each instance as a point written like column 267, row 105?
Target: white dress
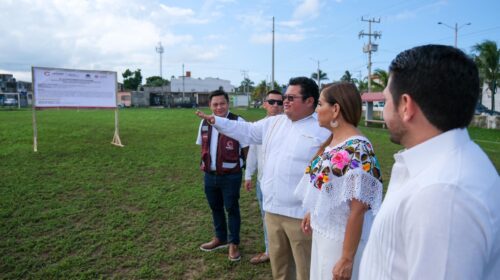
column 347, row 171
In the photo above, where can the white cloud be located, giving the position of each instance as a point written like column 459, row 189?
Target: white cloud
column 202, row 53
column 290, row 23
column 307, row 9
column 411, row 14
column 96, row 34
column 176, row 12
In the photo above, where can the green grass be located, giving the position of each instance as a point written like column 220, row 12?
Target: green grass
column 83, row 208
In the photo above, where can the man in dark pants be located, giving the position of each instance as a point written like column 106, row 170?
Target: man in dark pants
column 222, row 161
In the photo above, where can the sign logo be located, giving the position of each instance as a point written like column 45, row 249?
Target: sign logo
column 229, row 146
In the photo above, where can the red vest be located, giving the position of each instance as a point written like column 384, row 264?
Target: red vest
column 228, row 151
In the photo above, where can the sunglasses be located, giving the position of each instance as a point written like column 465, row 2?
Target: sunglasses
column 272, row 102
column 291, row 97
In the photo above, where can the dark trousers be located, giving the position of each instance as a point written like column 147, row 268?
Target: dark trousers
column 223, row 191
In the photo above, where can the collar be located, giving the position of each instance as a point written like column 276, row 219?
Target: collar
column 417, row 158
column 314, row 115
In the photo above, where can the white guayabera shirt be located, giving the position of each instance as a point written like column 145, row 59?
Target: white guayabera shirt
column 440, row 218
column 287, row 148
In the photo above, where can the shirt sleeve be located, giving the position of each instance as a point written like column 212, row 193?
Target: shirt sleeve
column 445, row 234
column 198, row 139
column 244, row 132
column 251, row 163
column 349, row 174
column 242, row 144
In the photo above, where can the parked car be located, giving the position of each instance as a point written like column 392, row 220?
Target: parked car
column 10, row 102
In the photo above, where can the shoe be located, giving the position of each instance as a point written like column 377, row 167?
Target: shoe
column 259, row 258
column 214, row 244
column 234, row 253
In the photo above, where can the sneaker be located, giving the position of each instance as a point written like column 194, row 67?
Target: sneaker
column 259, row 258
column 234, row 253
column 214, row 244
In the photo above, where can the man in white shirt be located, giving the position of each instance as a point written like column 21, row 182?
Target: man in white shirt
column 441, row 215
column 273, row 106
column 288, row 143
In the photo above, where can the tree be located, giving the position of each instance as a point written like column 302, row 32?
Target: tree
column 322, row 76
column 362, row 84
column 246, row 85
column 259, row 93
column 381, row 79
column 156, row 81
column 488, row 60
column 347, row 77
column 132, row 80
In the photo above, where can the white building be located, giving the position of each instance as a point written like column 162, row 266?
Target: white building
column 189, row 84
column 486, row 101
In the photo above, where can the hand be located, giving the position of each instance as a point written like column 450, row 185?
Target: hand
column 342, row 269
column 248, row 185
column 209, row 118
column 306, row 224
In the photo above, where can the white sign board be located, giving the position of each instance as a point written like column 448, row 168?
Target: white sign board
column 55, row 87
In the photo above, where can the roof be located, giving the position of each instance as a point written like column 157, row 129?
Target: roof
column 372, row 96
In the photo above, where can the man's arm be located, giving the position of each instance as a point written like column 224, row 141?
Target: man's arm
column 244, row 132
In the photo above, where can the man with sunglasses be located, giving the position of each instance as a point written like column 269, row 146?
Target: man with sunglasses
column 288, row 143
column 273, row 106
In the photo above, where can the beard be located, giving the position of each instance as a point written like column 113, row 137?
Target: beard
column 396, row 130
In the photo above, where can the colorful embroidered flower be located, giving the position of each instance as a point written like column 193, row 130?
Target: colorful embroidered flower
column 325, row 179
column 308, row 169
column 340, row 159
column 366, row 167
column 354, row 164
column 320, row 177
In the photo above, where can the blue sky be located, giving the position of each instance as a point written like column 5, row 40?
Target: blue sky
column 222, row 38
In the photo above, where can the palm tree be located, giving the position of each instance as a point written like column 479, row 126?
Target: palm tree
column 322, row 76
column 260, row 90
column 381, row 79
column 347, row 77
column 488, row 61
column 361, row 84
column 246, row 85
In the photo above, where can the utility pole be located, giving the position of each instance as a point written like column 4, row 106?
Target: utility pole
column 245, row 77
column 456, row 28
column 318, row 70
column 159, row 49
column 369, row 48
column 246, row 85
column 272, row 71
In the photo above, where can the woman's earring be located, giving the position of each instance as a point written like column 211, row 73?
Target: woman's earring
column 334, row 124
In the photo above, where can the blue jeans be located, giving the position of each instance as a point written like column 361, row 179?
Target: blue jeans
column 223, row 191
column 258, row 192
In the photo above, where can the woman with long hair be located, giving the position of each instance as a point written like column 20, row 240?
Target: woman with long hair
column 341, row 188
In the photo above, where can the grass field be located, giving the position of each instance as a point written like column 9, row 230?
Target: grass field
column 83, row 208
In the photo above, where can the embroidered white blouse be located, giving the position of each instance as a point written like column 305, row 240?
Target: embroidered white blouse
column 347, row 171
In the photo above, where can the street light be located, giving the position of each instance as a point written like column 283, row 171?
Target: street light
column 456, row 28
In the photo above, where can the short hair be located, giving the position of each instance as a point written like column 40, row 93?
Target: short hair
column 308, row 87
column 218, row 93
column 274, row 91
column 442, row 80
column 347, row 96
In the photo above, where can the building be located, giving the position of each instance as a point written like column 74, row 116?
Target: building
column 186, row 89
column 10, row 90
column 486, row 98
